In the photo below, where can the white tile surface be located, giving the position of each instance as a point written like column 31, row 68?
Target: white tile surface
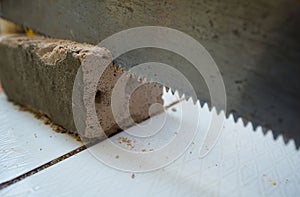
column 243, row 163
column 26, row 143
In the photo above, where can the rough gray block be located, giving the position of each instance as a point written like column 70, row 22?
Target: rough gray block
column 39, row 73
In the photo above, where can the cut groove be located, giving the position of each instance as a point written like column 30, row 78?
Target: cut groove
column 43, row 167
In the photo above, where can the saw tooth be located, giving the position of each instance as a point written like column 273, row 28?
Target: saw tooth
column 195, row 100
column 240, row 121
column 181, row 95
column 286, row 140
column 231, row 114
column 205, row 106
column 214, row 111
column 245, row 121
column 255, row 125
column 176, row 93
column 235, row 117
column 264, row 129
column 248, row 124
column 222, row 113
column 275, row 135
column 291, row 143
column 268, row 134
column 164, row 90
column 190, row 99
column 257, row 129
column 202, row 103
column 280, row 139
column 219, row 110
column 198, row 103
column 209, row 106
column 169, row 90
column 230, row 117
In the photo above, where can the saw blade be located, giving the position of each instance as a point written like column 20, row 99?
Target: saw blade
column 255, row 45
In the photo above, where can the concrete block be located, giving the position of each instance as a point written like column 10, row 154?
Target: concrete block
column 39, row 73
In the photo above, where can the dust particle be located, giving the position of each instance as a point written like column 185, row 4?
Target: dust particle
column 174, row 109
column 126, row 141
column 133, row 176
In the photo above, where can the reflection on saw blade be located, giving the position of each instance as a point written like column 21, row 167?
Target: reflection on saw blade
column 261, row 100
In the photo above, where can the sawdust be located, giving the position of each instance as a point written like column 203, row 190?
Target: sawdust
column 47, row 121
column 124, row 140
column 173, row 103
column 145, row 150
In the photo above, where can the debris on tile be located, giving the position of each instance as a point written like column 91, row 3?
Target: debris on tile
column 125, row 140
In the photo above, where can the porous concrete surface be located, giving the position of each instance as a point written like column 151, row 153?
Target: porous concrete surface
column 39, row 73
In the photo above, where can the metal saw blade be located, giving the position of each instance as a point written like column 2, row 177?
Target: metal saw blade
column 254, row 43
